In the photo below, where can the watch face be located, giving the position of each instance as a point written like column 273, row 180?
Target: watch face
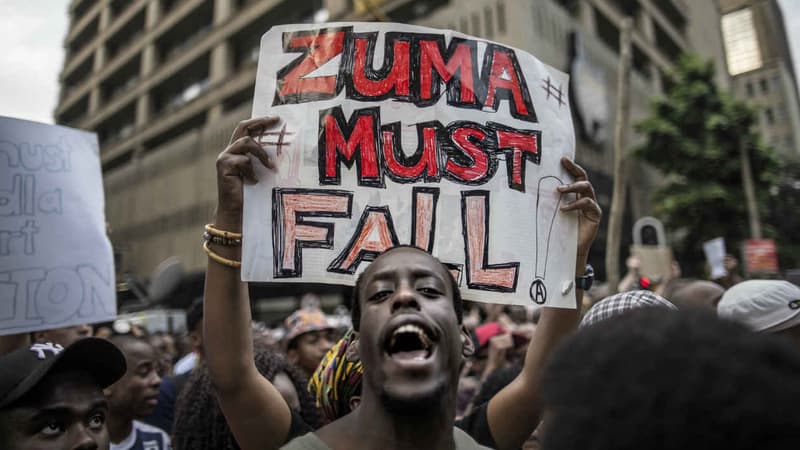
column 585, row 282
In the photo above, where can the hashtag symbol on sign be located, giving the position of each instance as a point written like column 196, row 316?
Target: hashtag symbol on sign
column 281, row 141
column 553, row 91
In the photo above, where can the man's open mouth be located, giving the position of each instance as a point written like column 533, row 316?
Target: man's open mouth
column 410, row 342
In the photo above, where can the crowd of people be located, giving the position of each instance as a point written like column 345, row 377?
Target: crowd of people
column 689, row 364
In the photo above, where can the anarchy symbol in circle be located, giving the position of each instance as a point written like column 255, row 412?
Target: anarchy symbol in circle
column 538, row 292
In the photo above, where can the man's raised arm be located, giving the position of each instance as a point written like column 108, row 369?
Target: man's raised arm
column 255, row 411
column 514, row 412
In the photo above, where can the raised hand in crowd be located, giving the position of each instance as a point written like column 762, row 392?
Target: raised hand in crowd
column 256, row 412
column 515, row 411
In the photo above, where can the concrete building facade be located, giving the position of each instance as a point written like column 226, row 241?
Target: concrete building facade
column 163, row 82
column 760, row 64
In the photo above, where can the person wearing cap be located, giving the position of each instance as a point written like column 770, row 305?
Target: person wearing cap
column 52, row 398
column 307, row 338
column 622, row 303
column 765, row 306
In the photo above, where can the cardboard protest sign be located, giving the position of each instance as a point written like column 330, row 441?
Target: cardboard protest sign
column 715, row 256
column 650, row 246
column 397, row 134
column 56, row 263
column 760, row 256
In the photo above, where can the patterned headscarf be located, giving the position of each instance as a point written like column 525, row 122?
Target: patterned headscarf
column 337, row 379
column 622, row 302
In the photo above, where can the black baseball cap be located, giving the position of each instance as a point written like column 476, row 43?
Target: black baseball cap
column 21, row 370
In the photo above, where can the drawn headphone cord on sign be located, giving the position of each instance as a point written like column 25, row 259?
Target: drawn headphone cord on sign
column 545, row 219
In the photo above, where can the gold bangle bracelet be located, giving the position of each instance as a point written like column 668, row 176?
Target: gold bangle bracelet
column 210, row 229
column 224, row 261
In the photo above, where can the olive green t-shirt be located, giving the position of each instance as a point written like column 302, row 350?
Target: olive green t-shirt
column 310, row 441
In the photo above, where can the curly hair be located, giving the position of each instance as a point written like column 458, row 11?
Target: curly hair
column 199, row 422
column 649, row 380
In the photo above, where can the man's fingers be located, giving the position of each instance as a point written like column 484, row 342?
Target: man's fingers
column 238, row 165
column 584, row 188
column 247, row 144
column 588, row 206
column 575, row 170
column 253, row 127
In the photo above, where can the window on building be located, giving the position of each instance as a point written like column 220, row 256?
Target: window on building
column 782, row 112
column 182, row 87
column 572, row 6
column 463, row 26
column 75, row 113
column 186, row 33
column 668, row 46
column 606, row 30
column 195, row 122
column 118, row 7
column 501, row 17
column 80, row 8
column 117, row 127
column 741, row 43
column 128, row 35
column 167, row 5
column 239, row 99
column 117, row 162
column 404, row 12
column 776, row 82
column 641, row 62
column 764, row 85
column 673, row 13
column 488, row 16
column 121, row 81
column 749, row 87
column 628, row 8
column 769, row 116
column 85, row 37
column 476, row 24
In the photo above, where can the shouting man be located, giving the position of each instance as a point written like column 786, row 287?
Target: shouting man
column 407, row 313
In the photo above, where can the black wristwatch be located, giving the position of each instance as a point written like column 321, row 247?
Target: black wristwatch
column 585, row 282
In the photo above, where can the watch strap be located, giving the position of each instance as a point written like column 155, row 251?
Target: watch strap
column 584, row 282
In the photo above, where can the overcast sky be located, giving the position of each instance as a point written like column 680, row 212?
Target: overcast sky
column 32, row 34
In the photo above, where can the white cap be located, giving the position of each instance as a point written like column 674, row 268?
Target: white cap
column 763, row 305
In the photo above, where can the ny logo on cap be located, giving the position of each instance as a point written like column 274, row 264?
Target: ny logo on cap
column 40, row 349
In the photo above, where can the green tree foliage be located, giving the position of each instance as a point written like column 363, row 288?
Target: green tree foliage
column 783, row 217
column 693, row 137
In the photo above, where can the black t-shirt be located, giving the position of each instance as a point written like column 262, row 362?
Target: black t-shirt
column 476, row 424
column 298, row 427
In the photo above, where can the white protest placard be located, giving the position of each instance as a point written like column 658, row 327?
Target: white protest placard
column 715, row 255
column 56, row 263
column 397, row 134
